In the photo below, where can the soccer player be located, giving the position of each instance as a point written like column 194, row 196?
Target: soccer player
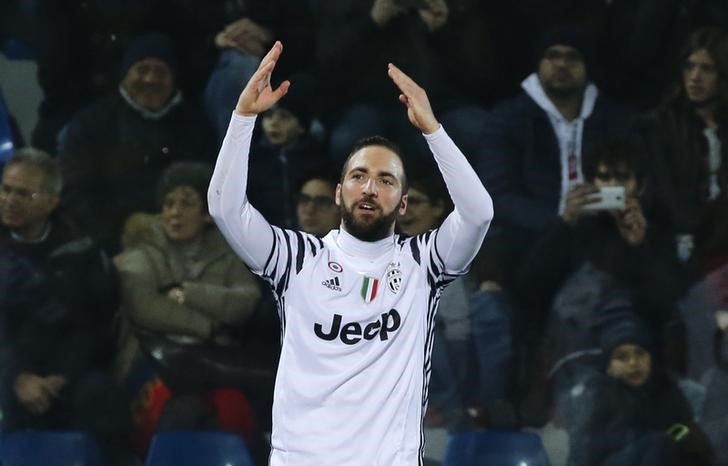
column 357, row 306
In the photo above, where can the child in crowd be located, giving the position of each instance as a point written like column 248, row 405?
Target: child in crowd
column 631, row 413
column 285, row 153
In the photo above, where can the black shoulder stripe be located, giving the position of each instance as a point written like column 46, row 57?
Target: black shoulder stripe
column 273, row 248
column 435, row 267
column 415, row 249
column 283, row 284
column 301, row 253
column 313, row 246
column 434, row 248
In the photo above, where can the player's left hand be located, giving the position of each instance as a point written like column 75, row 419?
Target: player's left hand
column 415, row 98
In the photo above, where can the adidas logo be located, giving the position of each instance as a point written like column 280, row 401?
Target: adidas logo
column 332, row 284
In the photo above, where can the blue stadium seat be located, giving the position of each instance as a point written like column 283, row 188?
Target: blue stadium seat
column 7, row 146
column 16, row 49
column 197, row 449
column 495, row 448
column 49, row 449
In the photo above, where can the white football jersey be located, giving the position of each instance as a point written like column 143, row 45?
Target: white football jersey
column 356, row 316
column 357, row 337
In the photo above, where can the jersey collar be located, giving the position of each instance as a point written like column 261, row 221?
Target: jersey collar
column 364, row 249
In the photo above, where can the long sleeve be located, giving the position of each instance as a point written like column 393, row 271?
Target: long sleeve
column 461, row 234
column 244, row 228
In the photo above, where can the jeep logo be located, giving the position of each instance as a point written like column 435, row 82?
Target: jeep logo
column 353, row 332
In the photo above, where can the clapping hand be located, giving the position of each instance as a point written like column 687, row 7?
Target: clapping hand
column 258, row 95
column 415, row 99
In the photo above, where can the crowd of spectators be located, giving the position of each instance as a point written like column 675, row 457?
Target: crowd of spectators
column 602, row 315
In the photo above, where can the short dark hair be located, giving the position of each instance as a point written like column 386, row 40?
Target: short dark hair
column 195, row 175
column 614, row 152
column 52, row 179
column 376, row 141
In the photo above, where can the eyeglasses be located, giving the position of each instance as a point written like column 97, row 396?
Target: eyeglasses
column 570, row 56
column 22, row 194
column 320, row 202
column 414, row 201
column 618, row 175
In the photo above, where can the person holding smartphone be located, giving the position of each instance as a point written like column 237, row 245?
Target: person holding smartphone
column 611, row 186
column 587, row 251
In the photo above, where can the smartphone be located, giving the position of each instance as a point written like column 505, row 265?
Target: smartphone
column 608, row 198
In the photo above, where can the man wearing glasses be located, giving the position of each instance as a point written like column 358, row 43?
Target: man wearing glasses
column 316, row 211
column 58, row 295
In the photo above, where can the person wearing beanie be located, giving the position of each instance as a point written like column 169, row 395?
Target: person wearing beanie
column 112, row 153
column 632, row 412
column 531, row 152
column 148, row 75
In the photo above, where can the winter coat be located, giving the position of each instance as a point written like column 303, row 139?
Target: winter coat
column 677, row 153
column 58, row 299
column 610, row 415
column 219, row 291
column 520, row 159
column 111, row 158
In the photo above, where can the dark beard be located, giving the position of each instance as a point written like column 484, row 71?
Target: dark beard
column 374, row 231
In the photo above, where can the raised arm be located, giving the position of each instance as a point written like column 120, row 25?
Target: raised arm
column 245, row 229
column 461, row 234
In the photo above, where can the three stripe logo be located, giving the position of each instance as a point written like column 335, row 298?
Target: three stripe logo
column 332, row 284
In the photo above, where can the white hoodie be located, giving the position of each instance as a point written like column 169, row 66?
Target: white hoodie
column 568, row 133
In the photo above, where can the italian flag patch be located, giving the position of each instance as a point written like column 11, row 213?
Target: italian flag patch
column 369, row 288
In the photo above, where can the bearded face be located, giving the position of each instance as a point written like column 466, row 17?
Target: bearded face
column 370, row 193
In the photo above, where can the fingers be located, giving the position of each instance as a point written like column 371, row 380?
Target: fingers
column 281, row 90
column 273, row 53
column 404, row 82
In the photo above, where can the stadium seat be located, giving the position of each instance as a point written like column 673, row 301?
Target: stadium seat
column 7, row 146
column 198, row 449
column 16, row 49
column 49, row 449
column 495, row 448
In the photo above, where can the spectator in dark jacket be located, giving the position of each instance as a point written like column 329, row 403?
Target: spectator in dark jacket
column 531, row 150
column 58, row 294
column 687, row 137
column 113, row 152
column 631, row 412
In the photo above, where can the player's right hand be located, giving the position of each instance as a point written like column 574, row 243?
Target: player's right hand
column 258, row 95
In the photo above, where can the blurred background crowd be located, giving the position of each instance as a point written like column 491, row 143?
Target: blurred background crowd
column 598, row 303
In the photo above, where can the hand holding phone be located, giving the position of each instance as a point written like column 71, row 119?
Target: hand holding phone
column 607, row 198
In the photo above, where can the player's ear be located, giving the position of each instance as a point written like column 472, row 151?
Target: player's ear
column 403, row 204
column 337, row 198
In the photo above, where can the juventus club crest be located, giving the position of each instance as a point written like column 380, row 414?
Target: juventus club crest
column 394, row 277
